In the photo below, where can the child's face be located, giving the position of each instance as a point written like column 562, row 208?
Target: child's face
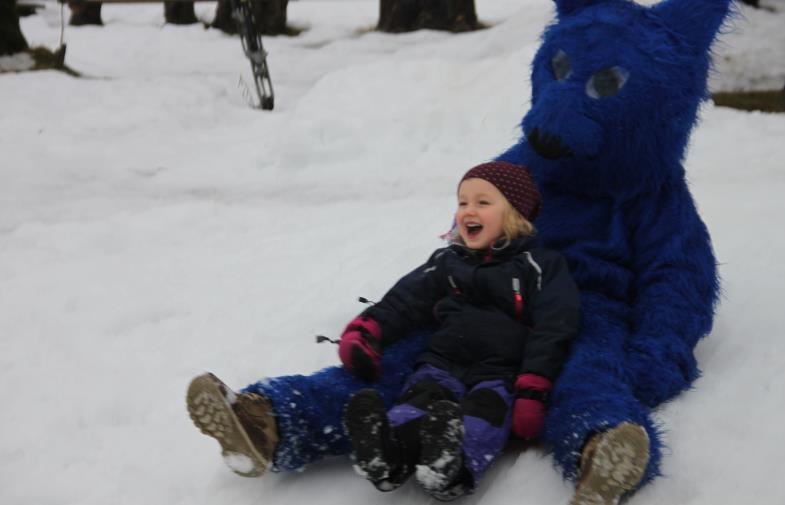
column 480, row 215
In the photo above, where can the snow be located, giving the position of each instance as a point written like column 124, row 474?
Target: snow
column 430, row 478
column 152, row 227
column 750, row 55
column 239, row 462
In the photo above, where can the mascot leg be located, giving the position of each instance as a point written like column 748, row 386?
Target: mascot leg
column 593, row 409
column 308, row 409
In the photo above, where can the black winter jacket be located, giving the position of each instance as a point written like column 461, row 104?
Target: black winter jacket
column 499, row 313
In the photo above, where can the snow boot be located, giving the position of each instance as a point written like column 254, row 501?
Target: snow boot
column 441, row 455
column 612, row 464
column 242, row 423
column 376, row 451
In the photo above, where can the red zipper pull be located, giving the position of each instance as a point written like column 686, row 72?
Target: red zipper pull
column 454, row 285
column 516, row 287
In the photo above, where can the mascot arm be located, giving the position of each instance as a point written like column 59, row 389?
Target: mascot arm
column 674, row 294
column 409, row 303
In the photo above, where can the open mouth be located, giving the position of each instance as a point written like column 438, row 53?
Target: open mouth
column 473, row 229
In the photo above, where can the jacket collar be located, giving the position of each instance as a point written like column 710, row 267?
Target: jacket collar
column 500, row 250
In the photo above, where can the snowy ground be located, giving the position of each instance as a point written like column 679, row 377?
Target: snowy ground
column 152, row 227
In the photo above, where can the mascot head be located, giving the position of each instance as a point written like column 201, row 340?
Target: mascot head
column 615, row 92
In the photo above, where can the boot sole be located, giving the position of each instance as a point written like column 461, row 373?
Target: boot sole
column 212, row 413
column 367, row 426
column 617, row 466
column 439, row 466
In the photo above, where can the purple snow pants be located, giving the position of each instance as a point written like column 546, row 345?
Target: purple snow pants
column 486, row 406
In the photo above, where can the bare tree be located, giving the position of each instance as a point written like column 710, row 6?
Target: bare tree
column 180, row 13
column 89, row 13
column 397, row 16
column 269, row 15
column 11, row 38
column 83, row 13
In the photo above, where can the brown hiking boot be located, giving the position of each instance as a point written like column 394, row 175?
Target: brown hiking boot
column 612, row 463
column 242, row 423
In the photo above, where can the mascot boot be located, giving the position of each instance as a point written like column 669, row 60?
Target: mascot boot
column 612, row 463
column 242, row 423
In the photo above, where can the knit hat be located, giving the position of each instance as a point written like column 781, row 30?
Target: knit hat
column 514, row 182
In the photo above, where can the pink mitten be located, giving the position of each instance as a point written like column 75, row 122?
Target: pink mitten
column 528, row 413
column 360, row 348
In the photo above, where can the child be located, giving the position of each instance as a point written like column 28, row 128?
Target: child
column 506, row 313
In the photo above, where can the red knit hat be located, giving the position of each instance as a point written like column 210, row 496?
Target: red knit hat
column 514, row 182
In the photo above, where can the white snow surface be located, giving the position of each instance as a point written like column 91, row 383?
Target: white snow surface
column 239, row 462
column 152, row 226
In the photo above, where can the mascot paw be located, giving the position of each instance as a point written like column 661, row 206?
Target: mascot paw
column 660, row 370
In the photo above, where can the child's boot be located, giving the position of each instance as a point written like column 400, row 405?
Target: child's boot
column 374, row 446
column 441, row 457
column 612, row 464
column 242, row 423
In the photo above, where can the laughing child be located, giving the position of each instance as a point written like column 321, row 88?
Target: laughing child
column 505, row 311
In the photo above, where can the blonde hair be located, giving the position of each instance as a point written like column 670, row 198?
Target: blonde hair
column 514, row 225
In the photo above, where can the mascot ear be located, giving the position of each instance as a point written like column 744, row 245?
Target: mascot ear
column 567, row 7
column 696, row 22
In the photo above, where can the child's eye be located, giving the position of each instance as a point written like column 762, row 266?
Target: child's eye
column 484, row 202
column 461, row 204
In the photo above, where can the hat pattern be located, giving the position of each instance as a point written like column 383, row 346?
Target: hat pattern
column 514, row 182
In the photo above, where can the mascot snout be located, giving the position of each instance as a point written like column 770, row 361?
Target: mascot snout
column 547, row 145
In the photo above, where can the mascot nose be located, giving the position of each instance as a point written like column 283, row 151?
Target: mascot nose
column 548, row 146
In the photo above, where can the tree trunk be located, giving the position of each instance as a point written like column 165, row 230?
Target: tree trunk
column 26, row 10
column 180, row 13
column 397, row 16
column 11, row 38
column 270, row 16
column 223, row 18
column 83, row 13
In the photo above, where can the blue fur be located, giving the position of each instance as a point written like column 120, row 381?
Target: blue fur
column 309, row 409
column 620, row 211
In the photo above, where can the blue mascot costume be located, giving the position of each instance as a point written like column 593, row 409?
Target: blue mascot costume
column 615, row 92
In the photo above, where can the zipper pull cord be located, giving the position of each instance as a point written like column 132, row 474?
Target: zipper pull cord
column 321, row 339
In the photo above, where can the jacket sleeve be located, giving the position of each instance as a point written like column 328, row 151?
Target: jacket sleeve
column 555, row 310
column 409, row 303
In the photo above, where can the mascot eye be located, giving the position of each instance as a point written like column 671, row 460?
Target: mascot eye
column 561, row 66
column 606, row 82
